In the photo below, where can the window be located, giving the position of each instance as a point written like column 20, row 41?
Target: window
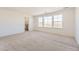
column 55, row 21
column 47, row 21
column 40, row 22
column 58, row 19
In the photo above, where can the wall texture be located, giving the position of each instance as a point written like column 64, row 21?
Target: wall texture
column 11, row 23
column 68, row 23
column 77, row 24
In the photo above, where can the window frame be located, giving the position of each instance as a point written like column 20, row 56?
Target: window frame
column 39, row 22
column 44, row 22
column 59, row 21
column 53, row 22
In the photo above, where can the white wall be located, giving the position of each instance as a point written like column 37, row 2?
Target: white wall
column 11, row 23
column 77, row 24
column 68, row 23
column 26, row 19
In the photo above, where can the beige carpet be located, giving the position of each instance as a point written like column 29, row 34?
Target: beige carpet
column 37, row 41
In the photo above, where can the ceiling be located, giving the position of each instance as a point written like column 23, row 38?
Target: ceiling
column 33, row 10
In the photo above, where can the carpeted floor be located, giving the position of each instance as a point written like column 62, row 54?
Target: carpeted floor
column 37, row 41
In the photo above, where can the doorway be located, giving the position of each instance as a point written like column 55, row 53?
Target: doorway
column 26, row 23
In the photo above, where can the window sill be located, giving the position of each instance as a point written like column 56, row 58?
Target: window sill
column 50, row 28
